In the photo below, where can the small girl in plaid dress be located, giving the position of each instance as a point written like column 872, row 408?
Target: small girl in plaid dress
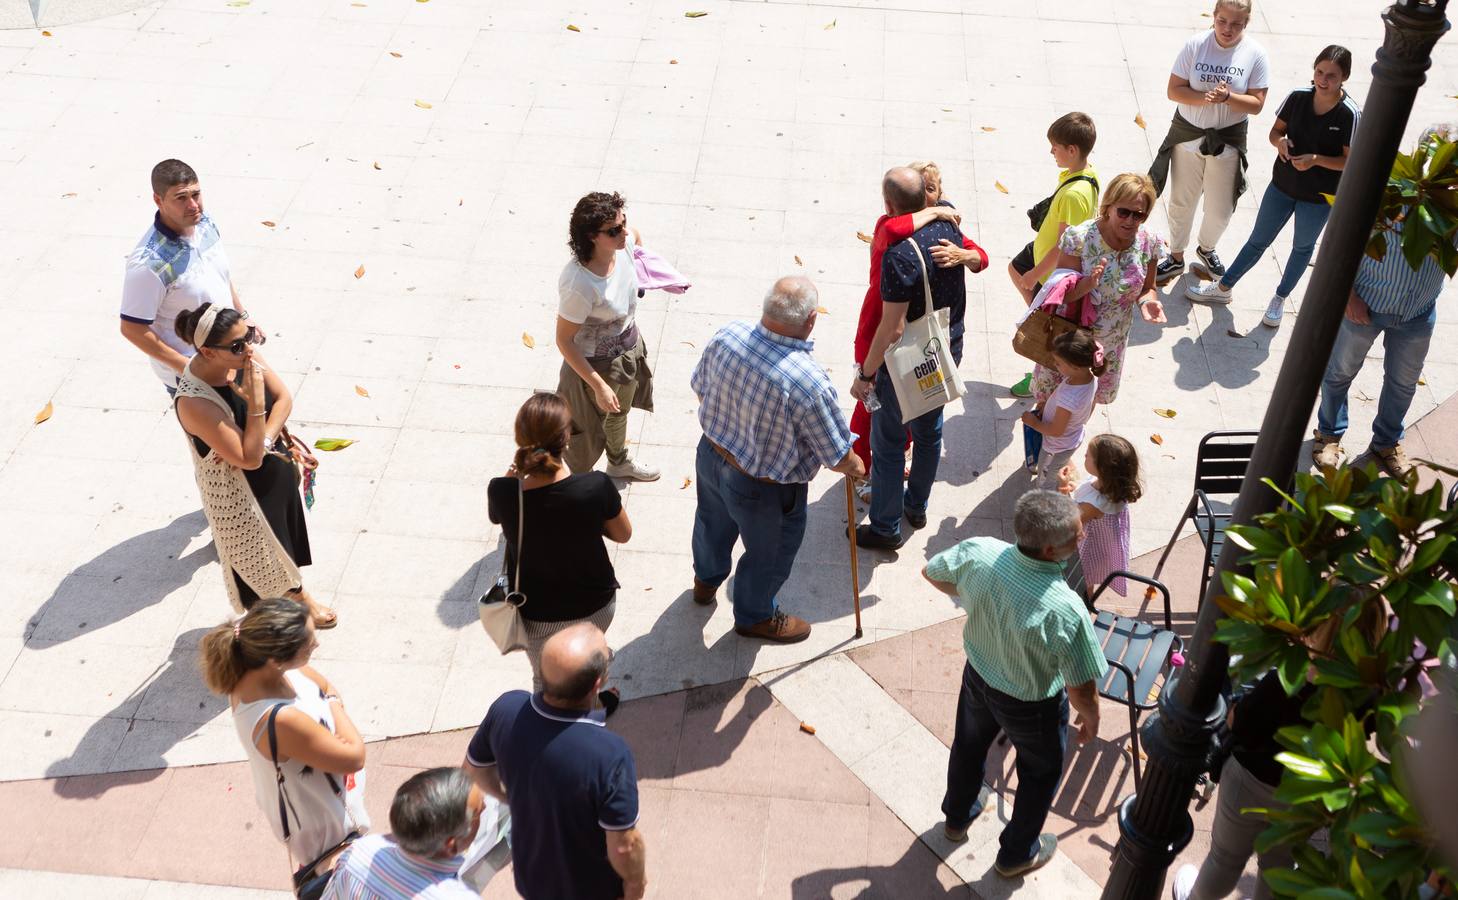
column 1103, row 503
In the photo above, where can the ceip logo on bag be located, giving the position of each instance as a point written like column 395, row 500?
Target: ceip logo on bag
column 928, row 374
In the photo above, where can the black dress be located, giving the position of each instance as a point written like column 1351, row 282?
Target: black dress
column 275, row 485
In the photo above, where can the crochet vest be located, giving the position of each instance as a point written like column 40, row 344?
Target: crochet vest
column 244, row 541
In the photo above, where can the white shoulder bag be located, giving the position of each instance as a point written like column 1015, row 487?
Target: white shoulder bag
column 923, row 372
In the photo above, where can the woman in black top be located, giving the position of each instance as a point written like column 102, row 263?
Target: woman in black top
column 565, row 571
column 1312, row 136
column 233, row 408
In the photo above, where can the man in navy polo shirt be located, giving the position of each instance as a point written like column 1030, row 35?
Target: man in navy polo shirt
column 571, row 783
column 904, row 300
column 178, row 265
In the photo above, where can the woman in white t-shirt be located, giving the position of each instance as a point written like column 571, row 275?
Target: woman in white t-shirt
column 260, row 662
column 604, row 358
column 1060, row 419
column 1219, row 80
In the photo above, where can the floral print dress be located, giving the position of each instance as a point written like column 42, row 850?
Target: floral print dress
column 1115, row 299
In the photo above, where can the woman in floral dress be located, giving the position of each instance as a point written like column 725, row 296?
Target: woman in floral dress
column 1117, row 235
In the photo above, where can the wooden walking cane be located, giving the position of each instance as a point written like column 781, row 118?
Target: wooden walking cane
column 850, row 518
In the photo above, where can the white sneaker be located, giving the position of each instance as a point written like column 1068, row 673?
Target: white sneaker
column 1207, row 292
column 1184, row 882
column 1272, row 318
column 632, row 470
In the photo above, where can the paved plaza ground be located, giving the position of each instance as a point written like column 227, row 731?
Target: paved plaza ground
column 392, row 179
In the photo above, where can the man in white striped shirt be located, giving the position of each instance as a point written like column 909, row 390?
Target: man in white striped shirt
column 433, row 820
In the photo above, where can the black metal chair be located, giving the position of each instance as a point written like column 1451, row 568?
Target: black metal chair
column 1220, row 464
column 1138, row 653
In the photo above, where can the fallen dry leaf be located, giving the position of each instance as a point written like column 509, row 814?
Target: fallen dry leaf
column 831, row 25
column 377, row 167
column 268, row 224
column 359, row 273
column 359, row 389
column 360, row 5
column 798, row 262
column 1167, row 413
column 1157, row 439
column 455, row 365
column 1422, row 380
column 1231, row 332
column 694, row 15
column 239, row 2
column 45, row 413
column 686, row 483
column 573, row 28
column 999, row 185
column 68, row 196
column 946, row 109
column 332, row 444
column 422, row 104
column 1139, row 120
column 422, row 1
column 46, row 34
column 807, row 728
column 988, row 128
column 687, row 343
column 673, row 62
column 822, row 310
column 396, row 55
column 530, row 341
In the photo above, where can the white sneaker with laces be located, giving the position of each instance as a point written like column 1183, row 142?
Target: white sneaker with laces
column 632, row 470
column 1207, row 292
column 1184, row 882
column 1272, row 318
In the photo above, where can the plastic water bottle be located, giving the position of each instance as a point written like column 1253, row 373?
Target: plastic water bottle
column 872, row 402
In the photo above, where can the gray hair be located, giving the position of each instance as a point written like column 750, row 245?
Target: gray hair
column 431, row 808
column 791, row 300
column 1045, row 519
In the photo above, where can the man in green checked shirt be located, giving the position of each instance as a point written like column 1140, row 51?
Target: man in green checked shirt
column 1031, row 651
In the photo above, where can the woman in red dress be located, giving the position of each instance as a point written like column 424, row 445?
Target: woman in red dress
column 889, row 230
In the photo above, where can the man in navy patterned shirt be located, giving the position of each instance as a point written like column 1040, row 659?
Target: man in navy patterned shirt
column 771, row 420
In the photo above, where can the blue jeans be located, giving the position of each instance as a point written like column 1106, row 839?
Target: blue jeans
column 888, row 437
column 769, row 518
column 1276, row 210
column 1038, row 730
column 1405, row 345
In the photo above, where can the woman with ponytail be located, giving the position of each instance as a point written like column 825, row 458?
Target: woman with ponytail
column 233, row 408
column 260, row 662
column 565, row 571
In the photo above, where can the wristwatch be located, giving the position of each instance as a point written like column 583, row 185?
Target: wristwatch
column 861, row 374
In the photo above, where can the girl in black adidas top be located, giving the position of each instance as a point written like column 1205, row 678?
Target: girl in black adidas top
column 1312, row 135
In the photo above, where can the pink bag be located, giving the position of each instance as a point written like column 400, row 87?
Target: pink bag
column 655, row 274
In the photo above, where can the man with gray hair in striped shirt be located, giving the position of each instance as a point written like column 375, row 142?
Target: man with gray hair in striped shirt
column 1031, row 651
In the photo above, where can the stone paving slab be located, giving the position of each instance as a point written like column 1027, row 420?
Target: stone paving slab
column 762, row 144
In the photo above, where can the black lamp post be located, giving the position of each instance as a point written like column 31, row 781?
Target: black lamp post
column 1155, row 824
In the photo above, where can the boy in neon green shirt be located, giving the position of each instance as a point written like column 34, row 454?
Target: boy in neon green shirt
column 1071, row 139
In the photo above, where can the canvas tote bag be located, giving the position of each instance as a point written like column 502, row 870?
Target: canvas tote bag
column 920, row 364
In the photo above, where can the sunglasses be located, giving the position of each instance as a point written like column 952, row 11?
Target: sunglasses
column 237, row 347
column 617, row 230
column 1124, row 212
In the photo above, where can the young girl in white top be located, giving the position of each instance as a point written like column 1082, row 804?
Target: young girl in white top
column 1103, row 504
column 260, row 662
column 1080, row 360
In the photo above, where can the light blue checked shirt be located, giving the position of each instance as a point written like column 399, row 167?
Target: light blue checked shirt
column 1392, row 288
column 766, row 400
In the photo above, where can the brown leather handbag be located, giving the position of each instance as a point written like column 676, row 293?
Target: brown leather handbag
column 1034, row 337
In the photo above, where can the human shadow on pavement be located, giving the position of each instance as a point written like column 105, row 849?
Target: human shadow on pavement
column 1176, row 310
column 697, row 730
column 163, row 711
column 456, row 606
column 141, row 570
column 1221, row 355
column 975, row 432
column 913, row 875
column 994, row 509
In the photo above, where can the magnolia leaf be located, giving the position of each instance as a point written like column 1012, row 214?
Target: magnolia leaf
column 831, row 25
column 573, row 28
column 359, row 389
column 422, row 104
column 1167, row 413
column 268, row 224
column 530, row 341
column 332, row 444
column 1139, row 120
column 999, row 185
column 863, row 236
column 686, row 483
column 1304, row 766
column 45, row 413
column 1157, row 439
column 396, row 55
column 694, row 15
column 359, row 273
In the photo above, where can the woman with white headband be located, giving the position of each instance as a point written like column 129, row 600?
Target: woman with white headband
column 233, row 409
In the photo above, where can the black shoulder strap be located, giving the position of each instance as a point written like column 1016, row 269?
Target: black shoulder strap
column 1089, row 178
column 283, row 813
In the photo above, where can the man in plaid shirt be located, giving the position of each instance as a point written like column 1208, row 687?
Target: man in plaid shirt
column 771, row 420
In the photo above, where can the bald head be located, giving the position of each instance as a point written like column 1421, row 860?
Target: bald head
column 574, row 662
column 903, row 190
column 790, row 304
